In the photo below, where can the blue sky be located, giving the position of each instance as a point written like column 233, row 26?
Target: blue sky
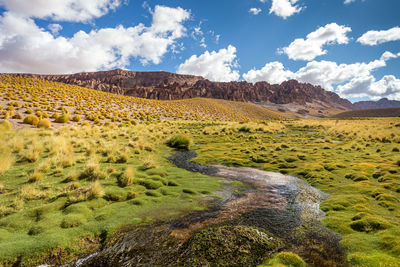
column 315, row 41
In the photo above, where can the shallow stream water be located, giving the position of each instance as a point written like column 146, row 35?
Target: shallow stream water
column 281, row 204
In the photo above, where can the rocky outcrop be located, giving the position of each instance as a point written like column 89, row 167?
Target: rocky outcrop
column 170, row 86
column 382, row 103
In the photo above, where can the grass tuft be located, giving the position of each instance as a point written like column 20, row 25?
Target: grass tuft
column 179, row 142
column 31, row 119
column 127, row 178
column 96, row 190
column 44, row 123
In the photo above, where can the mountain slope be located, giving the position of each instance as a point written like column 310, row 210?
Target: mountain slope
column 382, row 103
column 169, row 86
column 385, row 112
column 22, row 96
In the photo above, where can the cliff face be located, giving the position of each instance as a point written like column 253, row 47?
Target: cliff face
column 170, row 86
column 119, row 81
column 383, row 103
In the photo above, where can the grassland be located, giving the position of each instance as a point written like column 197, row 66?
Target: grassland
column 60, row 186
column 28, row 101
column 356, row 161
column 66, row 190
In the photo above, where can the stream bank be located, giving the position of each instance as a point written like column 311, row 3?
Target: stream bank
column 275, row 213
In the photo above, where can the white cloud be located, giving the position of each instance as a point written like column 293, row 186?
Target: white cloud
column 284, row 8
column 379, row 37
column 61, row 10
column 55, row 28
column 198, row 35
column 368, row 86
column 312, row 46
column 215, row 66
column 389, row 55
column 24, row 47
column 255, row 11
column 217, row 38
column 273, row 72
column 354, row 80
column 328, row 73
column 346, row 2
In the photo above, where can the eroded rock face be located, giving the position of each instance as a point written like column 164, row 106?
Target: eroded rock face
column 170, row 86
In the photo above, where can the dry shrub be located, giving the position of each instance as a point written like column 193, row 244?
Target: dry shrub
column 96, row 190
column 44, row 123
column 31, row 119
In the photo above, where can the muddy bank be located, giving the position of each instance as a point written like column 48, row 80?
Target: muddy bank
column 275, row 213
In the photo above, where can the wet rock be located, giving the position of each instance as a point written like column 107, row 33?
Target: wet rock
column 229, row 245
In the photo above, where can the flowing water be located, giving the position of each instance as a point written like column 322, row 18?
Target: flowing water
column 283, row 205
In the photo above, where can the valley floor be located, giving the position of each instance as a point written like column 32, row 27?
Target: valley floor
column 70, row 190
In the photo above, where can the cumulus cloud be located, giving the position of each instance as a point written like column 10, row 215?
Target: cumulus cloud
column 378, row 37
column 273, row 72
column 351, row 80
column 215, row 66
column 284, row 8
column 368, row 86
column 255, row 11
column 25, row 47
column 61, row 10
column 328, row 73
column 312, row 46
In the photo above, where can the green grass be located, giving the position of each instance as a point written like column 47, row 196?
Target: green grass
column 179, row 141
column 72, row 208
column 285, row 259
column 355, row 161
column 359, row 169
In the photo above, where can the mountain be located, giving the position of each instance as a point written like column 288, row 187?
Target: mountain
column 383, row 103
column 291, row 96
column 21, row 97
column 382, row 112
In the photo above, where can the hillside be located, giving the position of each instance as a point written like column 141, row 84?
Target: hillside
column 384, row 112
column 382, row 103
column 289, row 96
column 20, row 97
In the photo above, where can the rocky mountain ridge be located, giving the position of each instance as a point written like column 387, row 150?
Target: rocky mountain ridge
column 170, row 86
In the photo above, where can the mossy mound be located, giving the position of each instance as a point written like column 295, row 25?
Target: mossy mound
column 289, row 259
column 369, row 224
column 236, row 245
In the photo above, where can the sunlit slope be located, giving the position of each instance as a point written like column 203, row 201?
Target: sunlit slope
column 19, row 96
column 382, row 112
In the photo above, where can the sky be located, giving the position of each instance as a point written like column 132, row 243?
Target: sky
column 350, row 47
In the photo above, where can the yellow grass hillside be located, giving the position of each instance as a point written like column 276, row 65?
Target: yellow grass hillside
column 26, row 101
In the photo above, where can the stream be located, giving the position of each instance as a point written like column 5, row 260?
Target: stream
column 272, row 213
